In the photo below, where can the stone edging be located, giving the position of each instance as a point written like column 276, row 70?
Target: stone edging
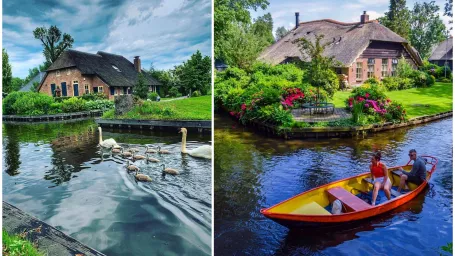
column 48, row 239
column 331, row 132
column 200, row 125
column 56, row 117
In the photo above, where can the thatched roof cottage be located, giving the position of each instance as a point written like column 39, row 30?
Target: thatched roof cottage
column 363, row 49
column 443, row 54
column 76, row 73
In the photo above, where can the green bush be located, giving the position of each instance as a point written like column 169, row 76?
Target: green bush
column 196, row 94
column 152, row 96
column 395, row 113
column 9, row 101
column 173, row 92
column 404, row 69
column 99, row 104
column 369, row 91
column 397, row 83
column 148, row 107
column 94, row 96
column 73, row 104
column 372, row 80
column 31, row 103
column 55, row 108
column 445, row 80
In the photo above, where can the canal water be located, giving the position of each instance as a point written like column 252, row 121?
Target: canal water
column 254, row 172
column 57, row 173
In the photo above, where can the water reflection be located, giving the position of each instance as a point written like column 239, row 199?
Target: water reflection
column 254, row 172
column 69, row 182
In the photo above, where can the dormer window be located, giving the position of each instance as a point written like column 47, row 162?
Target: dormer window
column 116, row 68
column 57, row 73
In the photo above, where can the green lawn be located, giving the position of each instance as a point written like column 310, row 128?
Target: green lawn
column 198, row 108
column 416, row 101
column 15, row 245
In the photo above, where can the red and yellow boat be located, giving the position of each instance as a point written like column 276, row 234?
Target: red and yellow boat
column 312, row 208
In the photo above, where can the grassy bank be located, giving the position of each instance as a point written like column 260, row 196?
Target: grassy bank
column 199, row 108
column 15, row 245
column 417, row 101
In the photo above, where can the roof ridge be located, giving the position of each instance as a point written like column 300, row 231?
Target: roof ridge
column 339, row 22
column 72, row 50
column 109, row 53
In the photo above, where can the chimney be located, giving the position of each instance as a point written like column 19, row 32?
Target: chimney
column 296, row 19
column 364, row 17
column 137, row 64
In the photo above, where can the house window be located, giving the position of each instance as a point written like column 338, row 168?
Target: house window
column 358, row 73
column 370, row 68
column 57, row 73
column 338, row 71
column 87, row 89
column 385, row 66
column 112, row 89
column 124, row 90
column 394, row 67
column 100, row 89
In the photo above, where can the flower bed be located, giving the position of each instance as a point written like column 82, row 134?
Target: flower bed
column 369, row 104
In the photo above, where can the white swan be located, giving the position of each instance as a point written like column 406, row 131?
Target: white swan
column 202, row 151
column 109, row 143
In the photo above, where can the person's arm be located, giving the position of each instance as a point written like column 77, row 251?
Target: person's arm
column 371, row 171
column 386, row 174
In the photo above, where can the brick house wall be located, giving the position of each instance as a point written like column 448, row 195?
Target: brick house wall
column 69, row 76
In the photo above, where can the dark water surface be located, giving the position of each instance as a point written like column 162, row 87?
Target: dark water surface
column 57, row 173
column 254, row 172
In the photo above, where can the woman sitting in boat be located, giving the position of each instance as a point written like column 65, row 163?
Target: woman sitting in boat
column 380, row 177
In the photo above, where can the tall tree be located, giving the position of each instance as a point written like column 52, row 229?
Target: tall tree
column 448, row 11
column 263, row 28
column 16, row 84
column 196, row 74
column 53, row 43
column 7, row 75
column 397, row 18
column 242, row 46
column 141, row 88
column 228, row 13
column 280, row 32
column 319, row 68
column 427, row 29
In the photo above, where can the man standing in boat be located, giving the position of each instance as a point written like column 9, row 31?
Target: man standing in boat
column 418, row 172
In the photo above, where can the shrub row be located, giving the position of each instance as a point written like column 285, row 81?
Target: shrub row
column 32, row 103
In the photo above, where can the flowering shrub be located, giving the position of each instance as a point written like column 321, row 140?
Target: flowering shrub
column 374, row 104
column 291, row 96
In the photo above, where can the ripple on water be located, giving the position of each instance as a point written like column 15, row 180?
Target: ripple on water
column 87, row 193
column 254, row 172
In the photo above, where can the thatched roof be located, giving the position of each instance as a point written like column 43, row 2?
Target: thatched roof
column 444, row 51
column 101, row 64
column 347, row 40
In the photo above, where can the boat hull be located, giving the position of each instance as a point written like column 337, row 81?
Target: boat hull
column 307, row 210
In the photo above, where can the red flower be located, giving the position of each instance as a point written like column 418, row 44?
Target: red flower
column 367, row 95
column 388, row 100
column 243, row 107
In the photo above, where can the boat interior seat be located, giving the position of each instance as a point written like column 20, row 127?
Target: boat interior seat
column 312, row 208
column 392, row 191
column 350, row 201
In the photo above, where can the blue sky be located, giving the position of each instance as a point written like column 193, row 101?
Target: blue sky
column 163, row 32
column 283, row 11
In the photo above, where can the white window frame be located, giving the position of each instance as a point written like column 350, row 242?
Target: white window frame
column 384, row 72
column 370, row 66
column 100, row 89
column 86, row 88
column 394, row 67
column 359, row 75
